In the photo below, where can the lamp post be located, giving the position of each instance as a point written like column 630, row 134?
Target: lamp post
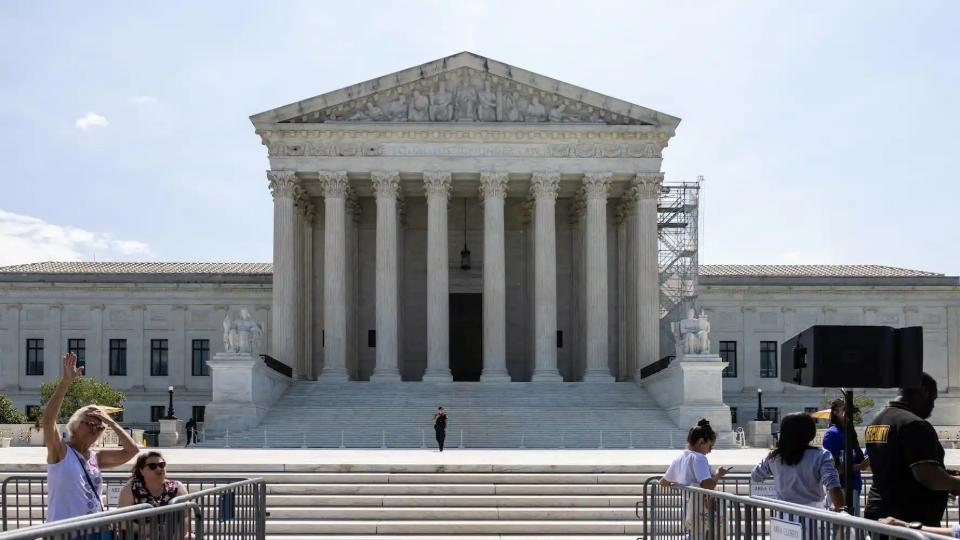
column 760, row 415
column 170, row 415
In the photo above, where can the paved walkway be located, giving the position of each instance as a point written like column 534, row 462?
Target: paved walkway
column 32, row 459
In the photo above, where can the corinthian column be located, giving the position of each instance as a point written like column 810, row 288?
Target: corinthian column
column 596, row 186
column 308, row 215
column 298, row 251
column 335, row 188
column 647, row 188
column 544, row 188
column 285, row 188
column 385, row 186
column 493, row 189
column 437, row 188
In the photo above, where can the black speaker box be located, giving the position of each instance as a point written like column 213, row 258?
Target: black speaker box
column 855, row 356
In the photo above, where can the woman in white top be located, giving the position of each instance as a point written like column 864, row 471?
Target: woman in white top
column 691, row 468
column 74, row 482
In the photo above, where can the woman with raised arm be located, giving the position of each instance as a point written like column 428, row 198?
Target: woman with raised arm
column 74, row 481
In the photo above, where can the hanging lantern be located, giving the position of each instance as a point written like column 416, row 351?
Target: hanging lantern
column 465, row 254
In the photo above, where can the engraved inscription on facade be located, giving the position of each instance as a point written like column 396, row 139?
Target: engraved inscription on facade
column 197, row 317
column 561, row 150
column 768, row 318
column 119, row 316
column 35, row 315
column 159, row 316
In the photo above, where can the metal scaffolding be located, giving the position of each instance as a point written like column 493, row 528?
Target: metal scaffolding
column 677, row 217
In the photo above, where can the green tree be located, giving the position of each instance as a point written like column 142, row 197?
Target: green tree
column 9, row 414
column 864, row 403
column 84, row 391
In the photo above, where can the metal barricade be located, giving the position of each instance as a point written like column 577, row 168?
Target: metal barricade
column 715, row 514
column 661, row 509
column 170, row 522
column 237, row 511
column 23, row 498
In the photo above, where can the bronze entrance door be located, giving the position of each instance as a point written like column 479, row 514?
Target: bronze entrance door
column 466, row 336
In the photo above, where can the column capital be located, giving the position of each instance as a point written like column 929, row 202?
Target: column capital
column 596, row 186
column 871, row 309
column 335, row 184
column 493, row 184
column 545, row 185
column 14, row 306
column 386, row 184
column 283, row 184
column 436, row 184
column 647, row 185
column 179, row 307
column 56, row 305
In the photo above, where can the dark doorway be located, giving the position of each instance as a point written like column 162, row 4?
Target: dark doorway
column 466, row 336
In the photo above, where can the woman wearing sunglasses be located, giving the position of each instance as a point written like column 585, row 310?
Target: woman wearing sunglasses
column 149, row 485
column 74, row 481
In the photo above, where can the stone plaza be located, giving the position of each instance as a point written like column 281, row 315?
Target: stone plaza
column 463, row 222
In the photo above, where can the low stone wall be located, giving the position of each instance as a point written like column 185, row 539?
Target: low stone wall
column 27, row 435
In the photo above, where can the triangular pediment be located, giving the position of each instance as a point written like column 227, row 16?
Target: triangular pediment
column 465, row 88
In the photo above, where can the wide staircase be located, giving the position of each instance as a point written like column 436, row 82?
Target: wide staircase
column 516, row 415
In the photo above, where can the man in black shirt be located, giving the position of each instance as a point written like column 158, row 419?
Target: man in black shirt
column 910, row 482
column 440, row 426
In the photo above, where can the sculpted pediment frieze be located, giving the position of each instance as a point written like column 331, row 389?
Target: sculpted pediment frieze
column 468, row 96
column 465, row 88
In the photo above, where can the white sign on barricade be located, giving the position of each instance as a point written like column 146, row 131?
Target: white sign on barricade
column 785, row 530
column 763, row 489
column 113, row 494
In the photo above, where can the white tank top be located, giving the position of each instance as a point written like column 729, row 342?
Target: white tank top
column 69, row 492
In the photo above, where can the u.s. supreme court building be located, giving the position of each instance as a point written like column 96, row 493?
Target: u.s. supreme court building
column 461, row 221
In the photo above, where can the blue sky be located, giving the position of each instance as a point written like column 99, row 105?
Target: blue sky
column 826, row 130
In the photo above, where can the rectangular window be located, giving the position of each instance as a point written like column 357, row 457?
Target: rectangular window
column 35, row 357
column 768, row 359
column 158, row 358
column 772, row 414
column 118, row 357
column 733, row 415
column 371, row 338
column 79, row 348
column 198, row 411
column 118, row 416
column 559, row 339
column 33, row 412
column 157, row 412
column 728, row 353
column 809, row 410
column 201, row 353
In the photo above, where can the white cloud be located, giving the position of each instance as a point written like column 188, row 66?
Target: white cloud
column 142, row 99
column 91, row 119
column 25, row 239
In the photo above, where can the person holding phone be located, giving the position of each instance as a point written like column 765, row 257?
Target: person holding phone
column 691, row 468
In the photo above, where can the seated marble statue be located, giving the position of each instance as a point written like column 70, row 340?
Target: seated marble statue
column 243, row 335
column 692, row 334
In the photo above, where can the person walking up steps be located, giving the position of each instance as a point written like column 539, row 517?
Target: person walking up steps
column 440, row 426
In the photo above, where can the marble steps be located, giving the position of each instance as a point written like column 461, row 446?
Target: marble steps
column 453, row 537
column 317, row 529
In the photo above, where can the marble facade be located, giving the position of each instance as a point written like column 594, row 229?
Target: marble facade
column 521, row 148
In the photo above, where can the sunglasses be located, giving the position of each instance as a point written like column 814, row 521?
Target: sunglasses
column 154, row 466
column 94, row 425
